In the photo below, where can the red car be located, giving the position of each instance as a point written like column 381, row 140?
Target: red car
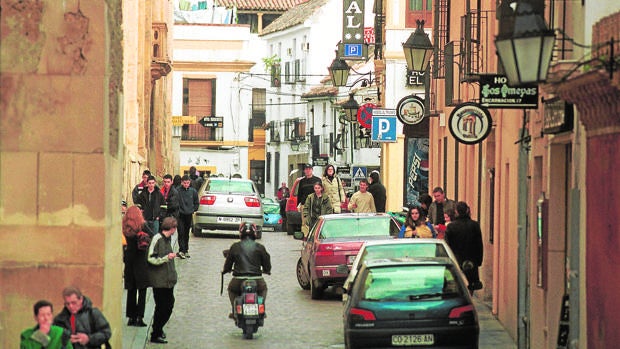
column 335, row 240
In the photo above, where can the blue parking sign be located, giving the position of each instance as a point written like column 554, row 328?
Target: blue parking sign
column 383, row 125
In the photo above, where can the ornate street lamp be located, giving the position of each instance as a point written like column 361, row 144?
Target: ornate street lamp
column 339, row 72
column 418, row 49
column 524, row 43
column 350, row 108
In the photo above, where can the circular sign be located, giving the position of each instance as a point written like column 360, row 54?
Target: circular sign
column 410, row 110
column 364, row 115
column 470, row 123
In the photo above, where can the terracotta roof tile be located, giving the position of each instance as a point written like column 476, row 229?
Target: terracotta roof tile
column 294, row 16
column 271, row 5
column 321, row 91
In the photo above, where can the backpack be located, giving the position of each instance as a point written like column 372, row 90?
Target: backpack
column 143, row 240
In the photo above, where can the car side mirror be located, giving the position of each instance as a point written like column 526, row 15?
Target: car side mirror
column 342, row 269
column 298, row 235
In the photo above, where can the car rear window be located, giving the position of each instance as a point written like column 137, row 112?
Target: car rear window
column 404, row 251
column 410, row 283
column 339, row 228
column 271, row 208
column 232, row 187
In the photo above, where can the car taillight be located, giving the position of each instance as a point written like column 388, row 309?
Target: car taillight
column 325, row 250
column 251, row 201
column 458, row 312
column 207, row 200
column 358, row 314
column 250, row 298
column 280, row 221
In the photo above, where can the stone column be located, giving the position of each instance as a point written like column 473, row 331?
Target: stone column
column 60, row 163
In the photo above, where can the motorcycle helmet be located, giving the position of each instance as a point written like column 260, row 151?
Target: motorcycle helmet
column 247, row 230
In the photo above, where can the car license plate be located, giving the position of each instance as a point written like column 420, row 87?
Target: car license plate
column 250, row 309
column 269, row 228
column 229, row 219
column 413, row 339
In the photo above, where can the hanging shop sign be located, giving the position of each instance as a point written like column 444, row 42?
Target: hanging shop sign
column 212, row 121
column 364, row 115
column 558, row 116
column 320, row 161
column 353, row 30
column 183, row 120
column 495, row 93
column 470, row 123
column 410, row 110
column 415, row 78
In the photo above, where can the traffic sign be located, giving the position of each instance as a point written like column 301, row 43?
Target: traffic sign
column 359, row 172
column 183, row 120
column 383, row 125
column 353, row 50
column 364, row 115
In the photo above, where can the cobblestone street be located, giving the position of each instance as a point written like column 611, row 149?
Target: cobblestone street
column 200, row 317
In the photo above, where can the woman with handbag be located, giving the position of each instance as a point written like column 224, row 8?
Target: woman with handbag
column 333, row 188
column 136, row 278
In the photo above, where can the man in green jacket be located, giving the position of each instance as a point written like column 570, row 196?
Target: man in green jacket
column 44, row 334
column 162, row 277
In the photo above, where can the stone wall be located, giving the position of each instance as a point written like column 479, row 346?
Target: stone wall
column 60, row 158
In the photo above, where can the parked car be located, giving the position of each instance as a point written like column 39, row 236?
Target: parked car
column 293, row 217
column 273, row 219
column 410, row 302
column 397, row 248
column 335, row 239
column 225, row 203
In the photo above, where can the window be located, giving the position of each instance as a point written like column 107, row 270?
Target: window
column 419, row 9
column 199, row 100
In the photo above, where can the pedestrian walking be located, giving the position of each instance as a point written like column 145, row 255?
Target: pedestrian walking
column 439, row 206
column 44, row 335
column 464, row 237
column 188, row 204
column 196, row 178
column 333, row 188
column 135, row 273
column 362, row 201
column 176, row 182
column 162, row 277
column 415, row 225
column 150, row 201
column 377, row 189
column 171, row 199
column 137, row 190
column 316, row 205
column 283, row 192
column 88, row 327
column 305, row 188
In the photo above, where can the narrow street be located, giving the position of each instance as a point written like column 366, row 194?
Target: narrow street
column 200, row 317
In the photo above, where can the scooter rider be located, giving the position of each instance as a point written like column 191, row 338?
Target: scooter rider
column 247, row 258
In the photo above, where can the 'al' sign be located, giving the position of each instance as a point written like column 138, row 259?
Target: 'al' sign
column 353, row 22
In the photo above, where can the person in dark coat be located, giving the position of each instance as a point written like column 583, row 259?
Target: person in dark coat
column 136, row 278
column 464, row 237
column 162, row 277
column 377, row 189
column 88, row 327
column 150, row 202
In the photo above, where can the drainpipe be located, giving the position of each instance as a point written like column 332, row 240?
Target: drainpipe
column 523, row 306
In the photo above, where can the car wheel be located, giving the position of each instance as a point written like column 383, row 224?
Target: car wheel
column 316, row 290
column 300, row 276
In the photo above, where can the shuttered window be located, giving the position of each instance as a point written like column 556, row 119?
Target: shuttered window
column 198, row 100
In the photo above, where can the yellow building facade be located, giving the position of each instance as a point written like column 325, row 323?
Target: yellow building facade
column 84, row 100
